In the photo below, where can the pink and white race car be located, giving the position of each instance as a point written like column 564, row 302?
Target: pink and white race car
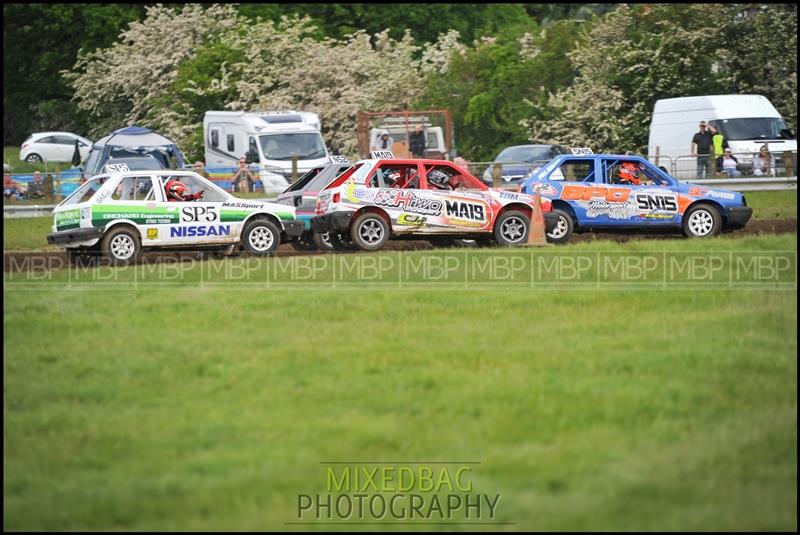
column 382, row 198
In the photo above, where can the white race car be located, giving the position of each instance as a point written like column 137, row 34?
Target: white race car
column 121, row 213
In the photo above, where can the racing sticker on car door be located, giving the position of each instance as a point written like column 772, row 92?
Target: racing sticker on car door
column 466, row 212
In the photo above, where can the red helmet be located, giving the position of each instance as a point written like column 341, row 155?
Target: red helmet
column 176, row 190
column 629, row 172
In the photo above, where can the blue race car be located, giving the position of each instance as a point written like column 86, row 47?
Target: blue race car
column 592, row 192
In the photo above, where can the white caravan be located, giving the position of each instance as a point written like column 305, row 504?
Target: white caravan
column 268, row 139
column 746, row 121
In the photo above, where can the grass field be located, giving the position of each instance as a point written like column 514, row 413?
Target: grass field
column 599, row 408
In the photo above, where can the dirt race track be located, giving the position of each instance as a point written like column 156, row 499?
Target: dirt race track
column 14, row 261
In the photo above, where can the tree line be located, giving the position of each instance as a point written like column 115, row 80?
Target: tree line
column 576, row 74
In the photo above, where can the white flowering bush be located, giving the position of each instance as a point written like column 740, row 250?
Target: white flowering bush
column 170, row 68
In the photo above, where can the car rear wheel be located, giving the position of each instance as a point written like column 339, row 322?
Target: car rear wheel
column 304, row 242
column 701, row 221
column 369, row 231
column 512, row 228
column 563, row 229
column 323, row 241
column 261, row 237
column 121, row 245
column 33, row 158
column 341, row 241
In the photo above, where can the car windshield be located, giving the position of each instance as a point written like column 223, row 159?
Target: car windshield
column 306, row 146
column 84, row 192
column 751, row 128
column 525, row 154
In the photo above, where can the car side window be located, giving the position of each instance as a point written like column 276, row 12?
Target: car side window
column 394, row 176
column 574, row 171
column 48, row 139
column 134, row 189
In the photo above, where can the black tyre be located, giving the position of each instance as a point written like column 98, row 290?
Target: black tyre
column 341, row 241
column 563, row 229
column 323, row 241
column 512, row 227
column 121, row 246
column 33, row 158
column 701, row 221
column 304, row 242
column 260, row 237
column 370, row 231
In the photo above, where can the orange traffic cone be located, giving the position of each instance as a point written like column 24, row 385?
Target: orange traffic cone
column 536, row 234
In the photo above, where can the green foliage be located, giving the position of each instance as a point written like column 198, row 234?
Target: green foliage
column 494, row 85
column 426, row 21
column 39, row 40
column 633, row 56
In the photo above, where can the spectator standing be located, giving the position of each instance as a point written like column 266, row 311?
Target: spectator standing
column 36, row 188
column 384, row 142
column 728, row 164
column 417, row 142
column 701, row 149
column 764, row 162
column 200, row 169
column 718, row 141
column 243, row 179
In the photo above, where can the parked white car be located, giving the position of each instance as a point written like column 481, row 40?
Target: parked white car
column 53, row 147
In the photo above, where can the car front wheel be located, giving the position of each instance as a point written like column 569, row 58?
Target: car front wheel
column 512, row 228
column 261, row 237
column 701, row 221
column 563, row 229
column 121, row 245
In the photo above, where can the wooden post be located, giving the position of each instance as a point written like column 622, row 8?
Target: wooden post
column 788, row 163
column 59, row 196
column 294, row 168
column 496, row 175
column 658, row 154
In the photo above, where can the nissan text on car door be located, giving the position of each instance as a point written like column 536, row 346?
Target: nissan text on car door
column 121, row 213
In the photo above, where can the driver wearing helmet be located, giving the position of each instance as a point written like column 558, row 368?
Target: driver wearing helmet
column 391, row 177
column 629, row 173
column 438, row 178
column 178, row 192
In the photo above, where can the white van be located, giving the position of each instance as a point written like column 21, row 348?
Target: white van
column 746, row 121
column 267, row 139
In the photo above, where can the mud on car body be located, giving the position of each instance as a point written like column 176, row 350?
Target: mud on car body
column 383, row 197
column 621, row 192
column 123, row 212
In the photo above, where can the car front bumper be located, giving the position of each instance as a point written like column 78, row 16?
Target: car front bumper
column 75, row 235
column 738, row 216
column 335, row 221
